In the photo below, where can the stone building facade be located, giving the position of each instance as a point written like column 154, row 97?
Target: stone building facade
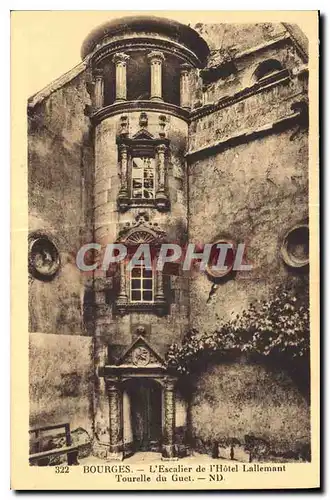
column 163, row 133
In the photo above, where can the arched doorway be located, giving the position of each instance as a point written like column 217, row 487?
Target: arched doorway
column 142, row 406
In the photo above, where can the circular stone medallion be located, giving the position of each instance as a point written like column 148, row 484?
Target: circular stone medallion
column 229, row 261
column 295, row 248
column 44, row 259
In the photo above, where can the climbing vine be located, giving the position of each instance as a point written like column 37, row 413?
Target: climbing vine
column 276, row 328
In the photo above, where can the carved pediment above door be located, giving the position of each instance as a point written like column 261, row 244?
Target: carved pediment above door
column 140, row 354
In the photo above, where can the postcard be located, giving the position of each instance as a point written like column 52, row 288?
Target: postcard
column 165, row 242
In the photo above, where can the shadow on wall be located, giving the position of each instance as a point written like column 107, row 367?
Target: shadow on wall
column 60, row 374
column 241, row 403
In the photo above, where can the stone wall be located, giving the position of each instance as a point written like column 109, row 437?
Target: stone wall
column 243, row 36
column 60, row 156
column 60, row 177
column 61, row 380
column 247, row 183
column 256, row 193
column 235, row 401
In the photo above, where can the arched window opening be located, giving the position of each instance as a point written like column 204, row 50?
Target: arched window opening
column 141, row 285
column 267, row 68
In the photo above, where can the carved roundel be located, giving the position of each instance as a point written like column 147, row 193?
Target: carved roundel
column 229, row 260
column 295, row 248
column 141, row 356
column 44, row 259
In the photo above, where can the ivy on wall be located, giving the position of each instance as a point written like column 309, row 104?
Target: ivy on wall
column 276, row 329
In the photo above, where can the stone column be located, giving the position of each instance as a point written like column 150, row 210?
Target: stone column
column 159, row 293
column 169, row 420
column 184, row 86
column 156, row 59
column 120, row 59
column 115, row 419
column 123, row 193
column 161, row 196
column 122, row 299
column 99, row 89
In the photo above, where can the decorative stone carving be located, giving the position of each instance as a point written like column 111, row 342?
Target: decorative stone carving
column 141, row 330
column 123, row 198
column 122, row 299
column 141, row 146
column 44, row 258
column 162, row 124
column 141, row 221
column 162, row 201
column 116, row 429
column 140, row 353
column 160, row 301
column 169, row 419
column 124, row 125
column 141, row 356
column 143, row 120
column 132, row 234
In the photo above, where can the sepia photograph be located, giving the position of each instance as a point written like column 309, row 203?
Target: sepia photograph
column 168, row 268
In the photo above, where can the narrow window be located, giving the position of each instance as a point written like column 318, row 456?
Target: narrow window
column 143, row 178
column 141, row 284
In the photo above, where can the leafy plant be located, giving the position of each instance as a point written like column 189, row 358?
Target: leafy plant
column 276, row 328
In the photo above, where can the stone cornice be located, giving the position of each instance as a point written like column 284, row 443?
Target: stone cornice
column 148, row 106
column 156, row 27
column 273, row 80
column 229, row 65
column 299, row 39
column 282, row 39
column 245, row 136
column 132, row 371
column 132, row 44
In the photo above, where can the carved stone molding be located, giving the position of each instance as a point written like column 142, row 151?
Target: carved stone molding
column 143, row 145
column 123, row 197
column 162, row 199
column 142, row 221
column 147, row 106
column 170, row 48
